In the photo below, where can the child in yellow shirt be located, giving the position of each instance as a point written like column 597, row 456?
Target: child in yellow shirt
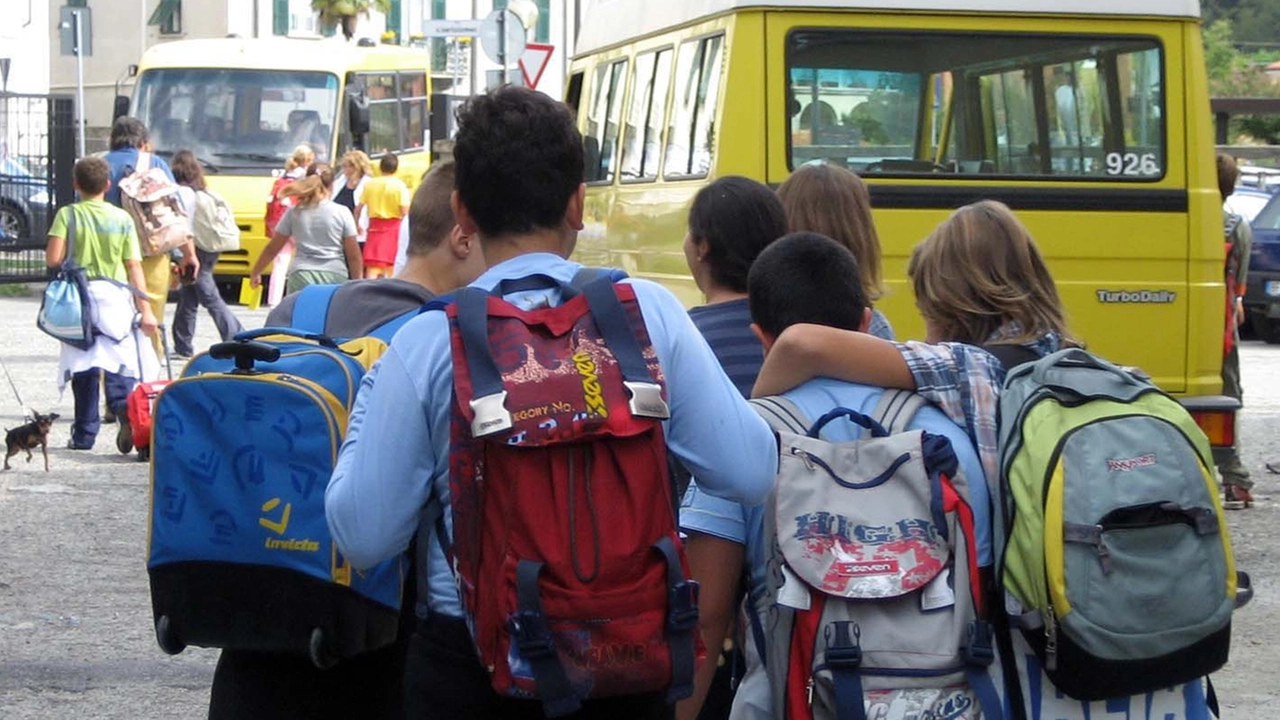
column 386, row 199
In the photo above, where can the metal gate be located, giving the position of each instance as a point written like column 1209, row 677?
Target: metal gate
column 37, row 153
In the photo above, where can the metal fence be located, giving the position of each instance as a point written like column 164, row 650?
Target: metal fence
column 37, row 153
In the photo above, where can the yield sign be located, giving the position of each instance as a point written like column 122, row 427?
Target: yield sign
column 534, row 62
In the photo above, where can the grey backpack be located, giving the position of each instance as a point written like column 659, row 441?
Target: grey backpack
column 873, row 603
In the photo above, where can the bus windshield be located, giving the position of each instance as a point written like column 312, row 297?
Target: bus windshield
column 238, row 119
column 1028, row 106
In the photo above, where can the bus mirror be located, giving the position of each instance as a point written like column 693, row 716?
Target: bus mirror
column 120, row 107
column 357, row 115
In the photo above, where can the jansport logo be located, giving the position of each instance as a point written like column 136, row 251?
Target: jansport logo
column 868, row 567
column 592, row 393
column 1152, row 297
column 1132, row 464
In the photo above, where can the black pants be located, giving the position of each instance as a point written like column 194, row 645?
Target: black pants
column 202, row 293
column 269, row 686
column 445, row 681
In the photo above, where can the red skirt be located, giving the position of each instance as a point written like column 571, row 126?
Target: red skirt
column 384, row 240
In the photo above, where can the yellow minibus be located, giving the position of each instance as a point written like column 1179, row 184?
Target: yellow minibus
column 243, row 105
column 1090, row 119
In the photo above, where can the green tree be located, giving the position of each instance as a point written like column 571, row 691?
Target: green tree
column 342, row 13
column 1233, row 74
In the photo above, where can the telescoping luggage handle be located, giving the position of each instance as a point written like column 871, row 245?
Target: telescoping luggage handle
column 489, row 401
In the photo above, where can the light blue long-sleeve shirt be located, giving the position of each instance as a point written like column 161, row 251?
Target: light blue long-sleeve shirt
column 395, row 459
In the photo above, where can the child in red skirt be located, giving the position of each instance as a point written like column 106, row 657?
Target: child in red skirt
column 386, row 198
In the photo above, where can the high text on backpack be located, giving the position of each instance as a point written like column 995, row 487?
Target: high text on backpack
column 1117, row 566
column 569, row 566
column 151, row 199
column 874, row 605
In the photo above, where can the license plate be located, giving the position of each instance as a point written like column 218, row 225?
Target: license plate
column 1273, row 288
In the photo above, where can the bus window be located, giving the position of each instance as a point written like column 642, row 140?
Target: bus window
column 413, row 110
column 573, row 96
column 1057, row 106
column 384, row 116
column 691, row 134
column 601, row 138
column 243, row 119
column 642, row 134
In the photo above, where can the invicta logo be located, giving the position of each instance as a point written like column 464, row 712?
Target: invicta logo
column 280, row 527
column 592, row 393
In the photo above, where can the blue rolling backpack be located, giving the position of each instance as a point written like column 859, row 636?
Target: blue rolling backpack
column 243, row 444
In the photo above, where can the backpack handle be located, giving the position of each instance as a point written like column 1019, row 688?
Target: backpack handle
column 315, row 337
column 877, row 430
column 245, row 353
column 1075, row 357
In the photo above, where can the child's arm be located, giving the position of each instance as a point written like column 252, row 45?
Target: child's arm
column 148, row 324
column 269, row 253
column 803, row 352
column 717, row 566
column 55, row 252
column 355, row 263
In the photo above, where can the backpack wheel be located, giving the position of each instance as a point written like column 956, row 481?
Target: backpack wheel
column 165, row 636
column 319, row 652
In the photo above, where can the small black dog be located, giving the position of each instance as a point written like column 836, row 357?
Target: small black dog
column 27, row 437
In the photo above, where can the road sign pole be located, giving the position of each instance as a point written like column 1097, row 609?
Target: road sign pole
column 79, row 48
column 502, row 42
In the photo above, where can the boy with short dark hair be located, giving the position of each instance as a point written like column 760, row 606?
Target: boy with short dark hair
column 800, row 278
column 386, row 198
column 519, row 187
column 105, row 244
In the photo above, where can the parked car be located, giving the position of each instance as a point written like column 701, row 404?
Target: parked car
column 1262, row 296
column 24, row 202
column 1260, row 178
column 1246, row 202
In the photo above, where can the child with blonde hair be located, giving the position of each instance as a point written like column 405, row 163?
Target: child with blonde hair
column 277, row 204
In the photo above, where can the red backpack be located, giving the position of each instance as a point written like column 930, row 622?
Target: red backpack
column 276, row 205
column 568, row 562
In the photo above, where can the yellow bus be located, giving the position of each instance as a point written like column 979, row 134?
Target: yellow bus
column 242, row 106
column 1090, row 119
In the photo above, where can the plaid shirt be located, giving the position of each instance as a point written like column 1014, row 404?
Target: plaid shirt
column 964, row 381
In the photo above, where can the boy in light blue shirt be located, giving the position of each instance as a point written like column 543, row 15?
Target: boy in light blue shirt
column 519, row 188
column 801, row 278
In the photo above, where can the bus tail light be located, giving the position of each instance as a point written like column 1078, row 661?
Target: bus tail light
column 1218, row 425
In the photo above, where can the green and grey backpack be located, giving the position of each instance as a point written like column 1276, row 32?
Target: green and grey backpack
column 1116, row 567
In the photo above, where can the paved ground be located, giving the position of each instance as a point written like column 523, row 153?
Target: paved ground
column 75, row 621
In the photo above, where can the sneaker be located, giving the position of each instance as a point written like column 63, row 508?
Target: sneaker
column 108, row 417
column 1236, row 498
column 71, row 445
column 124, row 438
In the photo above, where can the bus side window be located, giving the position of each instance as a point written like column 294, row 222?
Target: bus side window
column 603, row 118
column 642, row 133
column 413, row 110
column 384, row 115
column 573, row 96
column 691, row 133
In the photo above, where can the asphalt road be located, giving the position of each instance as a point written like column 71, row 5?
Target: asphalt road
column 76, row 641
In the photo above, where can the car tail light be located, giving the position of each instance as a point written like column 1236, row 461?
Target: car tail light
column 1219, row 426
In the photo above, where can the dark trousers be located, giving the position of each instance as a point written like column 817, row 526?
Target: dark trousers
column 445, row 681
column 202, row 293
column 1232, row 469
column 84, row 386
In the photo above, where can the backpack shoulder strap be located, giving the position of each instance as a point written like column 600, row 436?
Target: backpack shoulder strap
column 312, row 308
column 587, row 274
column 388, row 329
column 782, row 414
column 896, row 408
column 1011, row 356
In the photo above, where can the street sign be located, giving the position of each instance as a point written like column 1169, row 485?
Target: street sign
column 491, row 31
column 534, row 62
column 67, row 30
column 493, row 78
column 451, row 28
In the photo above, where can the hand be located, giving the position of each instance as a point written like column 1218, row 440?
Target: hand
column 1239, row 311
column 193, row 263
column 148, row 323
column 255, row 280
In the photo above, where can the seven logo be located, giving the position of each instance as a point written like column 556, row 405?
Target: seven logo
column 278, row 528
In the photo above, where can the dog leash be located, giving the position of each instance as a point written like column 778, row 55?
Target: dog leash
column 26, row 414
